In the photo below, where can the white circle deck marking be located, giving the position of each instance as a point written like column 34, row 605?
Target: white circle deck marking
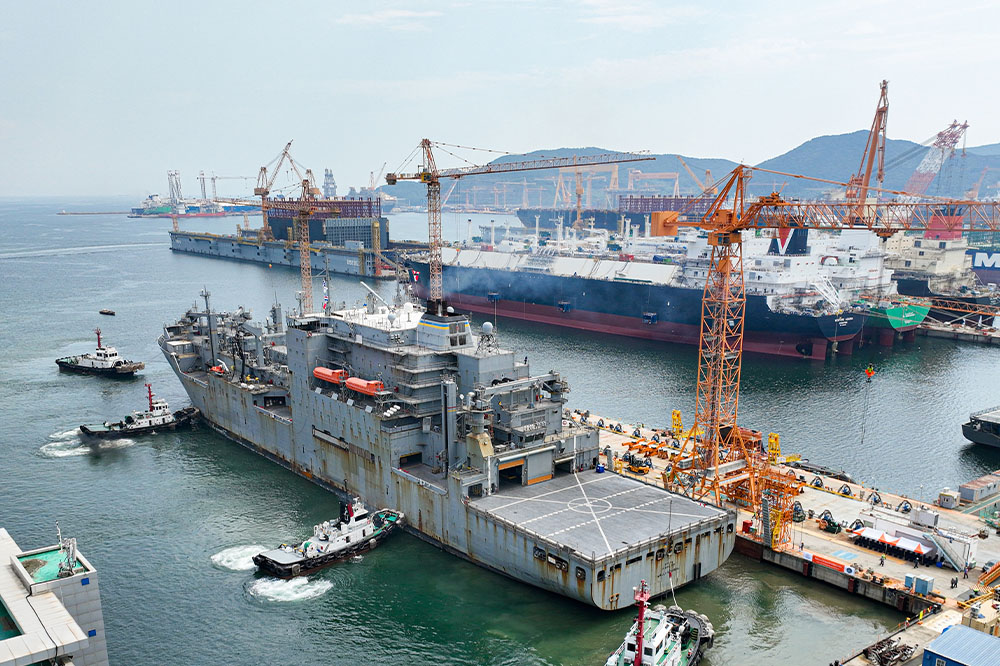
column 594, row 506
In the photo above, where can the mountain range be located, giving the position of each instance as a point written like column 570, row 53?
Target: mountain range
column 831, row 157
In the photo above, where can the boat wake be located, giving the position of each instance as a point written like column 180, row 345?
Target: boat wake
column 68, row 444
column 237, row 558
column 86, row 249
column 293, row 589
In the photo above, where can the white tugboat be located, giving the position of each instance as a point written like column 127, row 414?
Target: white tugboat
column 103, row 361
column 355, row 532
column 157, row 417
column 663, row 636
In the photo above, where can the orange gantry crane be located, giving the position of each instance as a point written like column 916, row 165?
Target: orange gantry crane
column 857, row 186
column 432, row 176
column 727, row 462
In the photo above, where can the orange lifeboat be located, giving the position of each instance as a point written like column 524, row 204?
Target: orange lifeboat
column 328, row 375
column 368, row 387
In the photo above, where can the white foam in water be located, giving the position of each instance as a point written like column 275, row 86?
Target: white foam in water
column 68, row 443
column 64, row 448
column 293, row 589
column 237, row 558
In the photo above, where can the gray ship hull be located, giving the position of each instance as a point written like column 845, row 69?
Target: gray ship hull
column 336, row 260
column 561, row 527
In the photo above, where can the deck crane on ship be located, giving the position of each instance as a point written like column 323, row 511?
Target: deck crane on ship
column 726, row 463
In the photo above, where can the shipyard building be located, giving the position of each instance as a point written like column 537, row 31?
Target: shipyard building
column 50, row 606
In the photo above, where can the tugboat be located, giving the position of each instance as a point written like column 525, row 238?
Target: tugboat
column 157, row 417
column 663, row 636
column 355, row 532
column 103, row 361
column 983, row 427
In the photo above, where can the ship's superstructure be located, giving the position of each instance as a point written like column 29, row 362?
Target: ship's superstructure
column 411, row 410
column 933, row 266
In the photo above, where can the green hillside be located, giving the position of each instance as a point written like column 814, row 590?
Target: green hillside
column 832, row 157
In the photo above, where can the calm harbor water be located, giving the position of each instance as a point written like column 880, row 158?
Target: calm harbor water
column 170, row 521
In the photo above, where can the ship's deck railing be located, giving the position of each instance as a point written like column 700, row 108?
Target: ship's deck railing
column 983, row 412
column 416, row 479
column 276, row 417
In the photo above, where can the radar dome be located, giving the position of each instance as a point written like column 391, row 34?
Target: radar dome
column 487, row 328
column 392, row 317
column 407, row 307
column 451, row 310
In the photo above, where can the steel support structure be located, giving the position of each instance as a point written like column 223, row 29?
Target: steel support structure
column 695, row 469
column 305, row 260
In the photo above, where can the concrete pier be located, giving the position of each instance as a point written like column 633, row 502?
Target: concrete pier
column 839, row 559
column 960, row 333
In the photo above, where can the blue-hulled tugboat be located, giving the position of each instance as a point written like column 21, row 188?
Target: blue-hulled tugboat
column 356, row 532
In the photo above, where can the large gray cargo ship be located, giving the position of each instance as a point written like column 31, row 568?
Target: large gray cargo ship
column 410, row 410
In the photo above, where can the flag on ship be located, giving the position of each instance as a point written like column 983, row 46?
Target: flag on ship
column 326, row 295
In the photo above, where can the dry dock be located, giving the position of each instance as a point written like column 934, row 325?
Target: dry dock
column 839, row 559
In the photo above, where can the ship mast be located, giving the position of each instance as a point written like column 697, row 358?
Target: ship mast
column 641, row 597
column 149, row 391
column 98, row 331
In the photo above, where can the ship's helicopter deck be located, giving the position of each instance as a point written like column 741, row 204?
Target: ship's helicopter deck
column 599, row 514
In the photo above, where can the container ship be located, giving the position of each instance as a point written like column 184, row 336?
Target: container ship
column 792, row 307
column 410, row 410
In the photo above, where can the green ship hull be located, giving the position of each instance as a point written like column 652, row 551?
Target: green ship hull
column 899, row 317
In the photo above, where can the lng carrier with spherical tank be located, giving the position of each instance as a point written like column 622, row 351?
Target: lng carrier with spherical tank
column 406, row 408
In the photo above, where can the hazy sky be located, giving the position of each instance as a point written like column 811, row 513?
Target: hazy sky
column 104, row 97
